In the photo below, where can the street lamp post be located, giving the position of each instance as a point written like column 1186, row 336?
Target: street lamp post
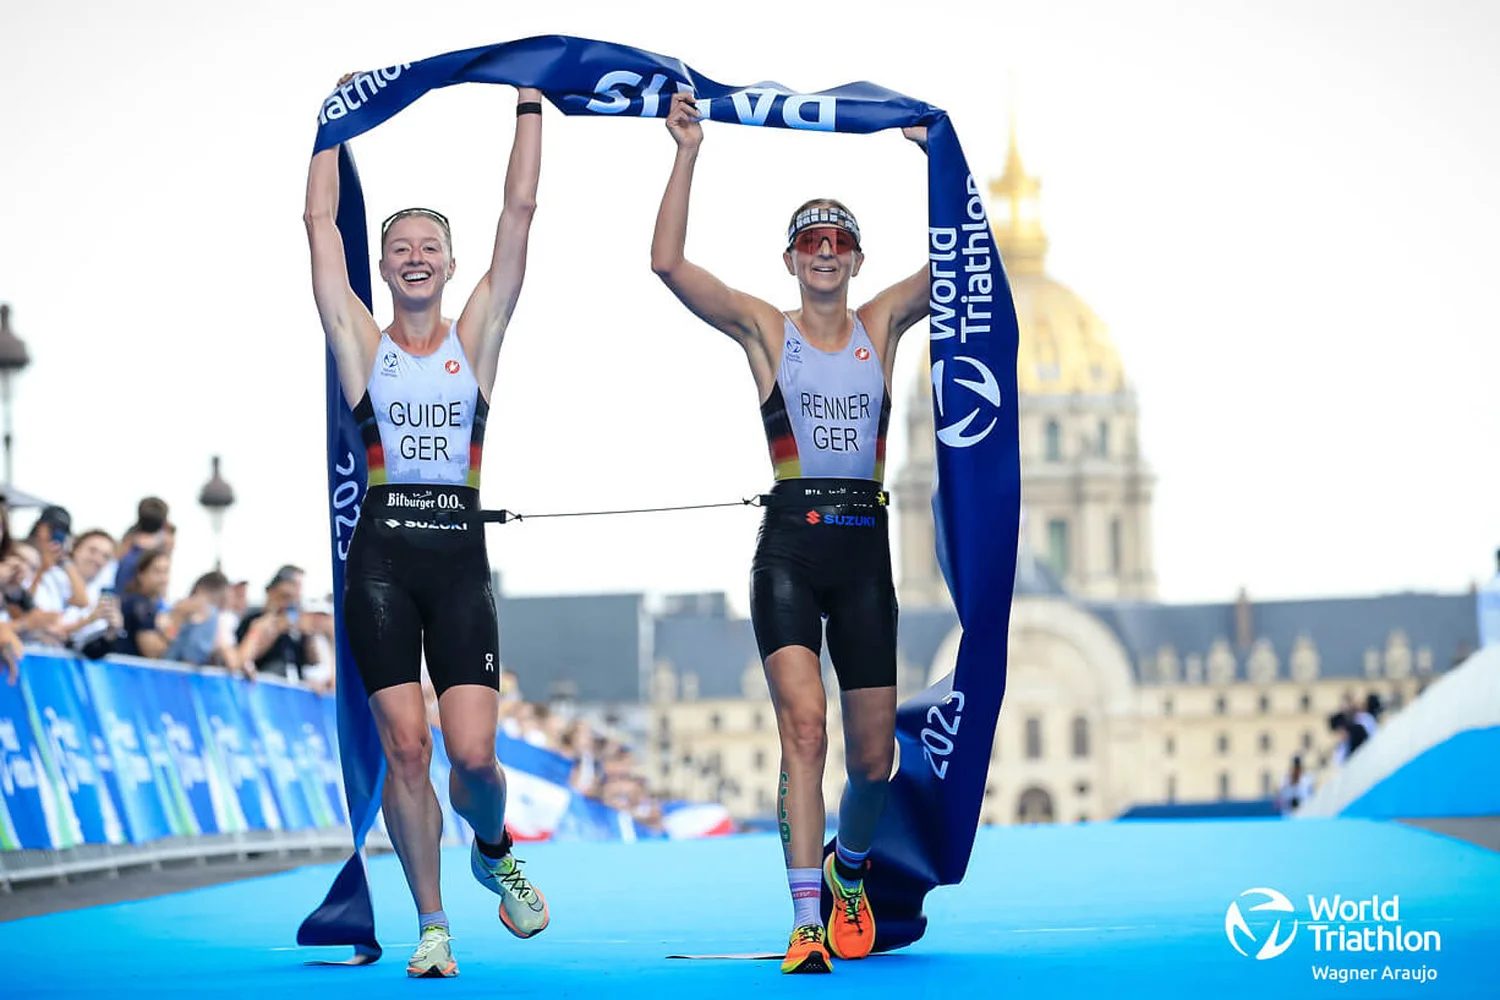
column 216, row 498
column 13, row 358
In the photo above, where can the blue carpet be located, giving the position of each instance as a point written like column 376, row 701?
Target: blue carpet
column 1119, row 910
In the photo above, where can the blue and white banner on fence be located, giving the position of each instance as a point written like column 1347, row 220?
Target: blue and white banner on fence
column 279, row 742
column 317, row 756
column 945, row 734
column 71, row 744
column 142, row 797
column 228, row 731
column 105, row 752
column 28, row 817
column 170, row 704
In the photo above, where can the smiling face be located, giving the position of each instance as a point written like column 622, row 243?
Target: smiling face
column 824, row 250
column 91, row 553
column 416, row 260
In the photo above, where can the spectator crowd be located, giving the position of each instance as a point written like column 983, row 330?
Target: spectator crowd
column 96, row 594
column 1352, row 725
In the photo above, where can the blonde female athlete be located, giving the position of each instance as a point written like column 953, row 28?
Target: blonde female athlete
column 418, row 577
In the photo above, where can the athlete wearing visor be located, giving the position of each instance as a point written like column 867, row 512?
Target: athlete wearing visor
column 823, row 372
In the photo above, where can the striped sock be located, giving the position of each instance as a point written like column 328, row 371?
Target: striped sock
column 807, row 889
column 437, row 918
column 848, row 865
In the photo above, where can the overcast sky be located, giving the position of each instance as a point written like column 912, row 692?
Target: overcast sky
column 1286, row 213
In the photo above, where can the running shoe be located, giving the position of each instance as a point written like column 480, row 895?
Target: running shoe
column 851, row 925
column 807, row 951
column 523, row 910
column 433, row 958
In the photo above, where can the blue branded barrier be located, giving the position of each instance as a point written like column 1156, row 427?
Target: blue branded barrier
column 125, row 750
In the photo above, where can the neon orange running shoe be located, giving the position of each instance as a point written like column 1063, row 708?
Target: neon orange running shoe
column 851, row 925
column 807, row 951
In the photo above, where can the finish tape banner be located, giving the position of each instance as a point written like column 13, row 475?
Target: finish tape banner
column 945, row 733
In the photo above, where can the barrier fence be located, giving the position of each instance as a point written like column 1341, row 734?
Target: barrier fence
column 122, row 761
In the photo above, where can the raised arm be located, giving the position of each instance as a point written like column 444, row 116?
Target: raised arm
column 481, row 327
column 351, row 331
column 735, row 313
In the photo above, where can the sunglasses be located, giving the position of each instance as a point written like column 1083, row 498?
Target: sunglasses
column 395, row 217
column 810, row 241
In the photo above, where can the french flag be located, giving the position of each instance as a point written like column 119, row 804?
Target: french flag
column 689, row 820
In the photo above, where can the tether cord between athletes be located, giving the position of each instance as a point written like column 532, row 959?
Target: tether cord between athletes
column 503, row 516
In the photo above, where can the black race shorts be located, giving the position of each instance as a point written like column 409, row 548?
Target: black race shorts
column 820, row 557
column 417, row 579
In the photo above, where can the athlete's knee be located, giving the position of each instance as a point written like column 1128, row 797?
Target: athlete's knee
column 409, row 755
column 804, row 732
column 473, row 761
column 870, row 765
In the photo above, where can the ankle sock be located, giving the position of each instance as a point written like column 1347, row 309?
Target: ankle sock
column 494, row 851
column 437, row 918
column 848, row 866
column 806, row 885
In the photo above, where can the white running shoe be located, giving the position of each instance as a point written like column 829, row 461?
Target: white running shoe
column 433, row 958
column 523, row 910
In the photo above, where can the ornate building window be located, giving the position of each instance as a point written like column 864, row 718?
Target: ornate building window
column 1166, row 706
column 1223, row 744
column 1167, row 669
column 1057, row 546
column 1223, row 784
column 1080, row 737
column 1103, row 438
column 1171, row 746
column 1171, row 788
column 1398, row 655
column 1265, row 704
column 1035, row 806
column 1220, row 662
column 1262, row 666
column 1305, row 660
column 1221, row 705
column 1116, row 546
column 1033, row 738
column 1054, row 441
column 716, row 722
column 1306, row 702
column 760, row 760
column 1265, row 742
column 1265, row 783
column 1307, row 740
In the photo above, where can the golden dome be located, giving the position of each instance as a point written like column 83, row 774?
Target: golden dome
column 1065, row 348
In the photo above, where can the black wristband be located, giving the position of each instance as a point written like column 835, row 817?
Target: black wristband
column 528, row 108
